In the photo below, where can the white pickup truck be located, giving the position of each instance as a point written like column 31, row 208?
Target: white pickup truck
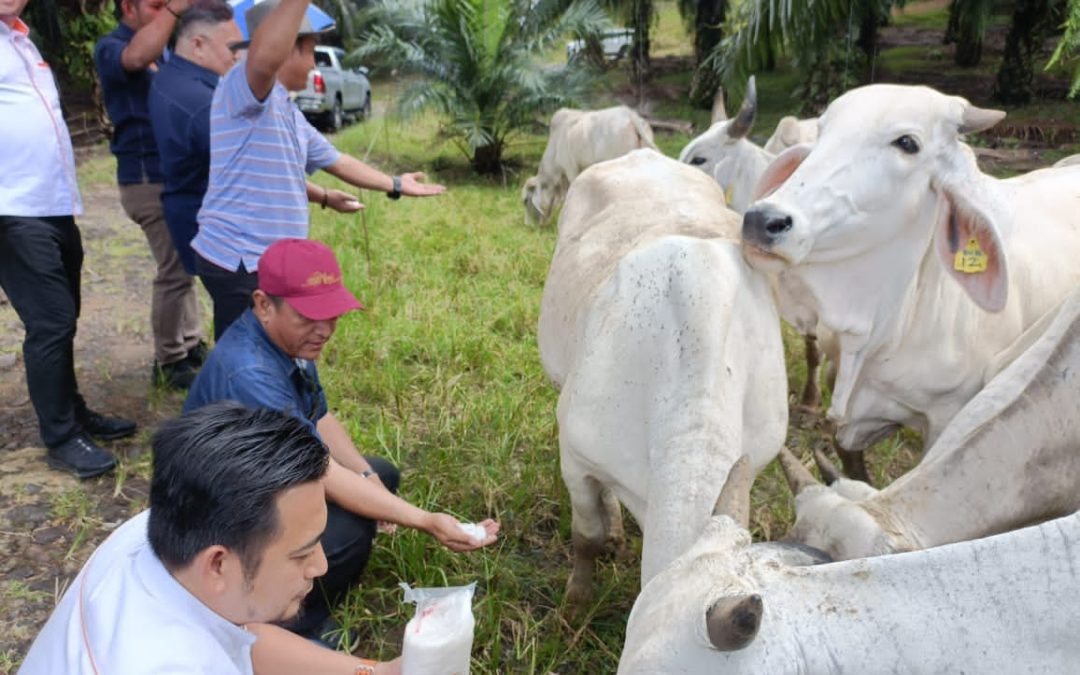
column 334, row 91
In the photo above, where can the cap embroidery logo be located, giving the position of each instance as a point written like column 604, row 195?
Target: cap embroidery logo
column 321, row 279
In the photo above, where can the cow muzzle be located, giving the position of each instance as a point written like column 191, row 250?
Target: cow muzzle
column 765, row 230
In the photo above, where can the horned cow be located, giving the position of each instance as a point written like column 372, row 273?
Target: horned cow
column 886, row 231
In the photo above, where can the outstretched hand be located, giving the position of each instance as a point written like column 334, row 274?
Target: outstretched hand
column 447, row 530
column 411, row 186
column 342, row 202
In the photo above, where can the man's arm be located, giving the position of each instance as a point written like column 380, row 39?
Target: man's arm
column 271, row 45
column 276, row 650
column 355, row 172
column 370, row 499
column 341, row 445
column 342, row 202
column 150, row 40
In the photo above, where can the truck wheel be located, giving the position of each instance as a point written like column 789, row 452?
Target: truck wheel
column 365, row 112
column 336, row 117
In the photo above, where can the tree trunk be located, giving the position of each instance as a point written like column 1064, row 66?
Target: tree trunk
column 1016, row 77
column 487, row 159
column 641, row 22
column 965, row 28
column 868, row 30
column 708, row 22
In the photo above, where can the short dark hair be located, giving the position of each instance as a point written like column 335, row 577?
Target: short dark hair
column 217, row 473
column 203, row 12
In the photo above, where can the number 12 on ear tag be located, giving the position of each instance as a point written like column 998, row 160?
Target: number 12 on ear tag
column 971, row 259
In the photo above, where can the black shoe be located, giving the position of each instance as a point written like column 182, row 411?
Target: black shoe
column 196, row 356
column 81, row 456
column 178, row 375
column 106, row 428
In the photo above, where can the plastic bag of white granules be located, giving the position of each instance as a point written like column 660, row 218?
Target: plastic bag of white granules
column 438, row 639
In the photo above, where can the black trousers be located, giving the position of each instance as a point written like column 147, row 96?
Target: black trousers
column 229, row 289
column 347, row 544
column 40, row 265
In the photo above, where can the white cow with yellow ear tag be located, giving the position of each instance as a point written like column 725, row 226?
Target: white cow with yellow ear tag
column 932, row 274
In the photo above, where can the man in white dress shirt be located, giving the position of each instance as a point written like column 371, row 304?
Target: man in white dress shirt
column 231, row 542
column 41, row 250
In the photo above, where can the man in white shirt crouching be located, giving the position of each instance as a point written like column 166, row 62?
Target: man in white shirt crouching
column 230, row 545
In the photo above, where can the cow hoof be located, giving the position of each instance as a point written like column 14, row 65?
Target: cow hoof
column 615, row 545
column 578, row 596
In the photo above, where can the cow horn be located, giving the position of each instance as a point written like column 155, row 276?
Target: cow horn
column 977, row 119
column 798, row 476
column 734, row 499
column 740, row 126
column 733, row 621
column 719, row 112
column 828, row 470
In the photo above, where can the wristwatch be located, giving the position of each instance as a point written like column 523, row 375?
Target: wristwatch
column 396, row 192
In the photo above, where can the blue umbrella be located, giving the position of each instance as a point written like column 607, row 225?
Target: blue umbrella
column 319, row 19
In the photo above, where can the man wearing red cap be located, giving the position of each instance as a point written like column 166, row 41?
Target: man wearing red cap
column 267, row 359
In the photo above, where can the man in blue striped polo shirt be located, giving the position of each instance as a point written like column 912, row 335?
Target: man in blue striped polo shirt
column 260, row 148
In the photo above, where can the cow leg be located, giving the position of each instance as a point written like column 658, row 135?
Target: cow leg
column 588, row 531
column 854, row 463
column 613, row 522
column 811, row 395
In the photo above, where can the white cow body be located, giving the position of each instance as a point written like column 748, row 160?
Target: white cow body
column 1005, row 604
column 577, row 139
column 791, row 131
column 1011, row 457
column 854, row 226
column 667, row 350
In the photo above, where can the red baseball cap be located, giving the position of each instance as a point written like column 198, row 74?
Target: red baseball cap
column 306, row 274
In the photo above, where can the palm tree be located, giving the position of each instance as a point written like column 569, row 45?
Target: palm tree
column 1068, row 48
column 967, row 25
column 1031, row 25
column 479, row 63
column 706, row 18
column 825, row 39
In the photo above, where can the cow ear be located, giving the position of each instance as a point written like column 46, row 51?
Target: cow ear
column 971, row 252
column 780, row 170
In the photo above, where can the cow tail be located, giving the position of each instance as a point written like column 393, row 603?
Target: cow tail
column 644, row 132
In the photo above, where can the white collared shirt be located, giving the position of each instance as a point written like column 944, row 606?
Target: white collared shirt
column 37, row 164
column 125, row 614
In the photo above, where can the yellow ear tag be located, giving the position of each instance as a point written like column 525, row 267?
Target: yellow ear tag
column 970, row 259
column 727, row 194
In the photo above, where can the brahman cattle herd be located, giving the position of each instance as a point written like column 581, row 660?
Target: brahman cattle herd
column 947, row 301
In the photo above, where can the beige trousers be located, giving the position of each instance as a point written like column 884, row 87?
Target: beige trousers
column 174, row 306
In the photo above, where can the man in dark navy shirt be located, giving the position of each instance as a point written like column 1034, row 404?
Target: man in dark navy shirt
column 266, row 359
column 126, row 60
column 179, row 104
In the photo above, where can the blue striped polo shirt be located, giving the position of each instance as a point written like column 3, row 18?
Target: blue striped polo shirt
column 256, row 194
